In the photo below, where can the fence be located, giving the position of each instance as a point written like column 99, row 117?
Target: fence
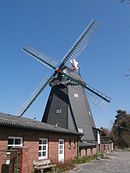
column 9, row 161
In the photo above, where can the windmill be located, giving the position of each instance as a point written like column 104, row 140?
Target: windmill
column 66, row 106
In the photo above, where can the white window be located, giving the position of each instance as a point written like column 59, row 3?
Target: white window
column 76, row 95
column 13, row 142
column 43, row 148
column 58, row 111
column 89, row 113
column 80, row 130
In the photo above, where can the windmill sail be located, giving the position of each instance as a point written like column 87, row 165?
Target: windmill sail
column 81, row 42
column 34, row 95
column 49, row 62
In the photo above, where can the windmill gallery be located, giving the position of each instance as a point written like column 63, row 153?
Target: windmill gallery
column 67, row 128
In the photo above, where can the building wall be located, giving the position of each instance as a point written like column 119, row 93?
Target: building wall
column 105, row 148
column 83, row 152
column 71, row 150
column 88, row 151
column 94, row 151
column 31, row 143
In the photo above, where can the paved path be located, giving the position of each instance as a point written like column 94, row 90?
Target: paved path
column 118, row 163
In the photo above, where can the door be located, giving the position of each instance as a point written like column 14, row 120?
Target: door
column 61, row 150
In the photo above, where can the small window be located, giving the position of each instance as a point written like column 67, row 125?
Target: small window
column 43, row 148
column 61, row 142
column 89, row 113
column 76, row 95
column 58, row 111
column 61, row 151
column 80, row 130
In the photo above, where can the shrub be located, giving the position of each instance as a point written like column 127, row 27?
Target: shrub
column 87, row 158
column 66, row 166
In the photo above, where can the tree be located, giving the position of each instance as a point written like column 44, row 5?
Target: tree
column 120, row 115
column 121, row 129
column 105, row 132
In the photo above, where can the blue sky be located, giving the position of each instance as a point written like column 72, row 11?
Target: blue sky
column 52, row 27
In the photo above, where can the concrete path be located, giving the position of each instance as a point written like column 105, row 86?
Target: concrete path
column 119, row 162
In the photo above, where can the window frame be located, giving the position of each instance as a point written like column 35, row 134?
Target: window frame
column 42, row 150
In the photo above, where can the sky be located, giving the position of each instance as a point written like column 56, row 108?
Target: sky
column 52, row 26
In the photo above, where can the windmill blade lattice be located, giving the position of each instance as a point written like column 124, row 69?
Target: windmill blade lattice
column 81, row 42
column 97, row 94
column 34, row 95
column 49, row 62
column 92, row 91
column 96, row 100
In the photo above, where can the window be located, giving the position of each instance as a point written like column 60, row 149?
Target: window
column 58, row 111
column 80, row 130
column 89, row 113
column 13, row 142
column 43, row 148
column 76, row 95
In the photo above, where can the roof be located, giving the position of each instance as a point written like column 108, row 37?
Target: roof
column 105, row 140
column 87, row 144
column 26, row 123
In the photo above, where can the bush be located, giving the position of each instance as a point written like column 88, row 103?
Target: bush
column 86, row 158
column 99, row 155
column 69, row 165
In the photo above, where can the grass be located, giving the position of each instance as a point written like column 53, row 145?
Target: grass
column 87, row 158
